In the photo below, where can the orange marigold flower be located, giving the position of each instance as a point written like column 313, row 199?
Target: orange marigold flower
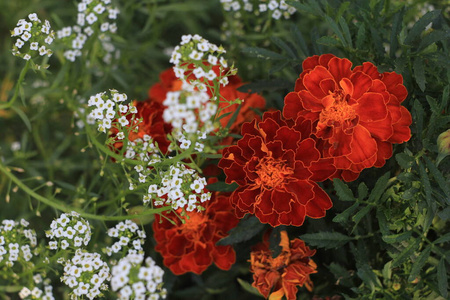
column 356, row 115
column 276, row 165
column 280, row 276
column 191, row 246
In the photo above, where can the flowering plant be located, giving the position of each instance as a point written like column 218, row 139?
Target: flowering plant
column 234, row 149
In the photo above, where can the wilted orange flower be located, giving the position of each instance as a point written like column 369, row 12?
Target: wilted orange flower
column 191, row 246
column 356, row 115
column 276, row 165
column 280, row 276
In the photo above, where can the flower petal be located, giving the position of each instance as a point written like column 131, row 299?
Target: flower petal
column 370, row 107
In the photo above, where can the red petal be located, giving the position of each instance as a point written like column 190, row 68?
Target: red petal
column 322, row 169
column 282, row 201
column 224, row 257
column 301, row 172
column 384, row 153
column 340, row 68
column 371, row 107
column 402, row 132
column 307, row 151
column 394, row 84
column 369, row 69
column 361, row 83
column 301, row 189
column 292, row 105
column 309, row 102
column 312, row 81
column 363, row 146
column 289, row 137
column 382, row 130
column 319, row 204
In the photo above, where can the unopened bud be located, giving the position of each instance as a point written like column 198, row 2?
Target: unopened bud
column 443, row 143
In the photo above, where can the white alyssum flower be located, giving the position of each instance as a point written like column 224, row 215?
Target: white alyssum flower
column 68, row 230
column 16, row 242
column 130, row 237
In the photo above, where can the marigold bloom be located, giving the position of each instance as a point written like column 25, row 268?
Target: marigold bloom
column 280, row 276
column 356, row 115
column 191, row 246
column 275, row 165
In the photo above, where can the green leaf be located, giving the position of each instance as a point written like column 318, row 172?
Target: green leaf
column 345, row 215
column 419, row 72
column 360, row 36
column 284, row 46
column 300, row 41
column 443, row 239
column 336, row 30
column 362, row 191
column 442, row 278
column 379, row 188
column 396, row 238
column 343, row 191
column 302, row 7
column 221, row 186
column 425, row 183
column 328, row 41
column 262, row 53
column 266, row 85
column 360, row 214
column 377, row 41
column 368, row 276
column 420, row 25
column 382, row 222
column 405, row 254
column 346, row 31
column 327, row 240
column 396, row 28
column 245, row 230
column 341, row 274
column 433, row 37
column 438, row 177
column 23, row 116
column 419, row 263
column 249, row 288
column 419, row 113
column 404, row 160
column 278, row 67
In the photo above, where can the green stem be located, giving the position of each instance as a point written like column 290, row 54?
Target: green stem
column 17, row 88
column 59, row 205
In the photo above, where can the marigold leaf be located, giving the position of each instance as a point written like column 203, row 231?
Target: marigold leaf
column 418, row 118
column 420, row 25
column 249, row 288
column 265, row 85
column 343, row 191
column 345, row 215
column 425, row 183
column 405, row 254
column 361, row 214
column 433, row 37
column 419, row 263
column 368, row 276
column 300, row 41
column 302, row 7
column 396, row 238
column 404, row 160
column 245, row 230
column 362, row 191
column 285, row 46
column 396, row 28
column 442, row 278
column 336, row 30
column 262, row 53
column 379, row 188
column 443, row 239
column 328, row 41
column 346, row 31
column 419, row 73
column 360, row 36
column 327, row 240
column 221, row 186
column 438, row 177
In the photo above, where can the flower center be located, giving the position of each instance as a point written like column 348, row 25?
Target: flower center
column 193, row 221
column 337, row 111
column 272, row 172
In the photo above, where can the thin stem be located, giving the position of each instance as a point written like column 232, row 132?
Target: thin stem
column 59, row 205
column 17, row 88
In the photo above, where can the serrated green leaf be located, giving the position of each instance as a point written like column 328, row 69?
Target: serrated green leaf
column 433, row 104
column 285, row 46
column 221, row 186
column 382, row 222
column 438, row 177
column 360, row 36
column 345, row 215
column 433, row 37
column 425, row 183
column 300, row 41
column 396, row 28
column 405, row 254
column 442, row 278
column 419, row 113
column 443, row 239
column 377, row 41
column 262, row 53
column 360, row 214
column 328, row 41
column 341, row 274
column 245, row 230
column 278, row 67
column 346, row 31
column 327, row 240
column 396, row 238
column 404, row 160
column 336, row 30
column 367, row 275
column 317, row 48
column 343, row 191
column 419, row 72
column 420, row 25
column 362, row 191
column 379, row 188
column 419, row 263
column 302, row 7
column 249, row 288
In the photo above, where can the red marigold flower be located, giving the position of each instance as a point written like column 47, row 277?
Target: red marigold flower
column 281, row 275
column 275, row 165
column 356, row 115
column 191, row 246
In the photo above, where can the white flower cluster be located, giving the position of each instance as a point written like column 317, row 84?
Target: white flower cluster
column 86, row 274
column 190, row 112
column 33, row 37
column 42, row 291
column 94, row 16
column 16, row 242
column 129, row 235
column 198, row 61
column 109, row 111
column 69, row 230
column 143, row 150
column 131, row 280
column 180, row 187
column 276, row 8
